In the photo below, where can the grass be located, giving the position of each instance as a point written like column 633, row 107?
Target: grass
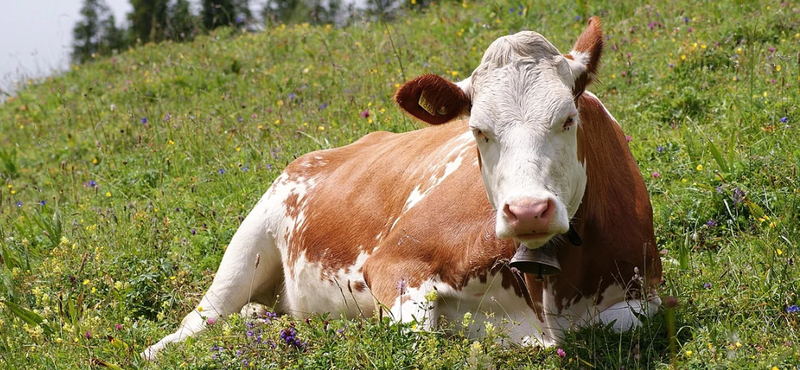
column 125, row 178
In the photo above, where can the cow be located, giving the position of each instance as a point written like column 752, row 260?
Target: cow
column 421, row 226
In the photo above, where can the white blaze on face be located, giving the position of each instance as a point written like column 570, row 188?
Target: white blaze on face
column 525, row 120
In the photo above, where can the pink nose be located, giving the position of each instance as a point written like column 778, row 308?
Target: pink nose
column 530, row 216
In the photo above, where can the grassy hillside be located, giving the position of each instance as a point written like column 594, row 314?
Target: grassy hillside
column 124, row 180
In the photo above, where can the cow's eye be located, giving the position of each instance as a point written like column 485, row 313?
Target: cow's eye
column 479, row 135
column 569, row 123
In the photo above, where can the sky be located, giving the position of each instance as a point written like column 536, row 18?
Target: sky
column 36, row 36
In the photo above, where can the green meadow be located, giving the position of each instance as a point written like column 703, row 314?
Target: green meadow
column 124, row 179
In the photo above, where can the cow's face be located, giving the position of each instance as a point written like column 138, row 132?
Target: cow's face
column 522, row 106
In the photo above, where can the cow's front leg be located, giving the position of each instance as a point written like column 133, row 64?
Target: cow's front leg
column 415, row 304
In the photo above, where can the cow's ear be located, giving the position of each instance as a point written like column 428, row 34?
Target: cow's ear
column 586, row 53
column 433, row 99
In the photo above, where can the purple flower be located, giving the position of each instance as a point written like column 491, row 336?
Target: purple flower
column 660, row 149
column 707, row 285
column 656, row 175
column 738, row 195
column 118, row 326
column 628, row 138
column 292, row 96
column 577, row 18
column 221, row 171
column 193, row 231
column 240, row 119
column 561, row 353
column 401, row 286
column 784, row 119
column 365, row 113
column 42, row 202
column 88, row 334
column 92, row 184
column 771, row 49
column 166, row 117
column 19, row 203
column 288, row 336
column 323, row 106
column 240, row 20
column 792, row 309
column 245, row 168
column 144, row 120
column 211, row 321
column 711, row 223
column 686, row 20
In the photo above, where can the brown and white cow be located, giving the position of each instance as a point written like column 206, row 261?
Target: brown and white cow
column 388, row 219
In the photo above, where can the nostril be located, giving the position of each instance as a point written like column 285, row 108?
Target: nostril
column 507, row 210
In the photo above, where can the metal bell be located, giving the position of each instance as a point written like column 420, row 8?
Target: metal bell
column 539, row 262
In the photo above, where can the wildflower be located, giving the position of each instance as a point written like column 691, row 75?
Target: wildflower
column 92, row 184
column 245, row 168
column 699, row 167
column 108, row 194
column 711, row 223
column 686, row 20
column 240, row 119
column 656, row 175
column 144, row 120
column 166, row 117
column 561, row 353
column 221, row 171
column 784, row 119
column 365, row 113
column 19, row 203
column 707, row 285
column 199, row 308
column 42, row 202
column 88, row 335
column 288, row 335
column 771, row 49
column 738, row 195
column 688, row 353
column 292, row 96
column 118, row 326
column 628, row 138
column 792, row 309
column 401, row 286
column 660, row 149
column 210, row 321
column 323, row 106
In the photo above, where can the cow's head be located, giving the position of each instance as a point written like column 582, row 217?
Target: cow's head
column 521, row 102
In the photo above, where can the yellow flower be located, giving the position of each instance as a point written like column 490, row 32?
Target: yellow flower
column 108, row 193
column 199, row 308
column 699, row 167
column 94, row 161
column 86, row 282
column 779, row 252
column 738, row 344
column 688, row 353
column 778, row 68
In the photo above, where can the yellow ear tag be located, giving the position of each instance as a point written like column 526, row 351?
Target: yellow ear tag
column 425, row 104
